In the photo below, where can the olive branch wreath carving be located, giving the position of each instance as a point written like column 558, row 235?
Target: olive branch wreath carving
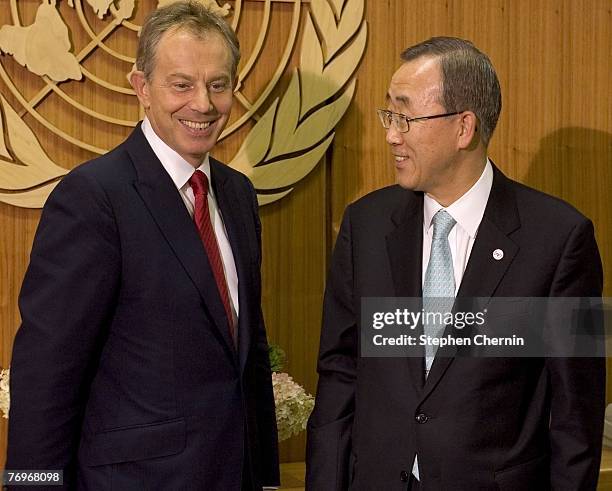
column 296, row 130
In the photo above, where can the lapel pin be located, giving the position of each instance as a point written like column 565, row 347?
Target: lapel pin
column 498, row 254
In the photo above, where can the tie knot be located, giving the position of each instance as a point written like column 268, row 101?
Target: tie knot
column 199, row 183
column 442, row 223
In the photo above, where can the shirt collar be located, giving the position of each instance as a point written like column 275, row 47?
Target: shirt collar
column 177, row 167
column 469, row 209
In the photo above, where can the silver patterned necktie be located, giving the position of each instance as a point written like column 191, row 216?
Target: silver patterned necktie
column 438, row 289
column 439, row 285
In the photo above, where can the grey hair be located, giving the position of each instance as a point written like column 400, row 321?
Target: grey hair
column 469, row 81
column 190, row 16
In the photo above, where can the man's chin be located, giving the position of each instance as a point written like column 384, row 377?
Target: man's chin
column 195, row 158
column 406, row 182
column 199, row 151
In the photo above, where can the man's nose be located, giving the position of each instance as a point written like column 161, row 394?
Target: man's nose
column 201, row 100
column 393, row 136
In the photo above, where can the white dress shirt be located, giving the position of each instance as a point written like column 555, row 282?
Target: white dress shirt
column 181, row 171
column 467, row 212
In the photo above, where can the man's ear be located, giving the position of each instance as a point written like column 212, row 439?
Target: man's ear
column 468, row 131
column 140, row 85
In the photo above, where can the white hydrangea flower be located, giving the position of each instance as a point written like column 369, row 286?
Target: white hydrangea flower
column 5, row 399
column 293, row 405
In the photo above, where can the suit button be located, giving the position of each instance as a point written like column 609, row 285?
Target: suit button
column 404, row 476
column 421, row 418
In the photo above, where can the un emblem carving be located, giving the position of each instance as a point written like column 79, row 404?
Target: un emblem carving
column 281, row 138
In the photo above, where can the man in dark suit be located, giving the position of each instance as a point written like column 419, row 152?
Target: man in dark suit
column 455, row 223
column 142, row 360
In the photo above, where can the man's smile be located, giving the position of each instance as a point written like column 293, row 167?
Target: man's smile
column 196, row 125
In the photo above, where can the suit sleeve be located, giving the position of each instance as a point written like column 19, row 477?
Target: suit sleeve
column 66, row 301
column 578, row 383
column 266, row 414
column 330, row 425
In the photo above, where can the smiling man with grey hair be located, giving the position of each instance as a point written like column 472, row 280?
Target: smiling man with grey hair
column 142, row 360
column 454, row 228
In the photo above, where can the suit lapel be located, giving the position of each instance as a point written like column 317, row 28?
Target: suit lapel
column 167, row 208
column 232, row 206
column 405, row 250
column 483, row 272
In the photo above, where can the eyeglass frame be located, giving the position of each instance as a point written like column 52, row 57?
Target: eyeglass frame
column 395, row 116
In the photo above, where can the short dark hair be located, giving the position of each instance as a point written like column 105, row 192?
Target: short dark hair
column 469, row 81
column 190, row 16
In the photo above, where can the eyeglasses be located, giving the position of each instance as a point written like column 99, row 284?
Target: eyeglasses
column 402, row 122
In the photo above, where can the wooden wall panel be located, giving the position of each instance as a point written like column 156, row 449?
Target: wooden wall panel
column 555, row 134
column 294, row 269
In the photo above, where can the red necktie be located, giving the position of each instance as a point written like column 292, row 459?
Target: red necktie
column 201, row 216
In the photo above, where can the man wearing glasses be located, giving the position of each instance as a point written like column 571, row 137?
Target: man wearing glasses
column 455, row 226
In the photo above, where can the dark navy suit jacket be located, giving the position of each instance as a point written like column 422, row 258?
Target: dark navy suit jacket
column 123, row 371
column 515, row 424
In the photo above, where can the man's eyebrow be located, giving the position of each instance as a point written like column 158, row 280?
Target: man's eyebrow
column 405, row 100
column 179, row 75
column 221, row 76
